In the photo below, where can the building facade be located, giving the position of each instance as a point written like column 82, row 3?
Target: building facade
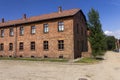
column 118, row 45
column 61, row 34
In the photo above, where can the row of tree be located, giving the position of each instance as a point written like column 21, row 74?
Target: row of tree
column 100, row 43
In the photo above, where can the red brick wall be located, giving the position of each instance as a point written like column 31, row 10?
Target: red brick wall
column 69, row 35
column 80, row 39
column 53, row 36
column 6, row 40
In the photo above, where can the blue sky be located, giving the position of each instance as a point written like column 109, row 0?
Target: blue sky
column 109, row 10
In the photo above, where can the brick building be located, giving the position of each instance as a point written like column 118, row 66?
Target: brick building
column 118, row 44
column 61, row 34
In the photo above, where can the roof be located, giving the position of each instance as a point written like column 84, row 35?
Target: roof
column 64, row 13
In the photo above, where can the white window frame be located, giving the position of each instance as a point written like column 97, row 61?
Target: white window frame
column 61, row 26
column 33, row 29
column 46, row 28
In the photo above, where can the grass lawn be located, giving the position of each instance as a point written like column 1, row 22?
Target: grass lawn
column 81, row 60
column 87, row 60
column 36, row 59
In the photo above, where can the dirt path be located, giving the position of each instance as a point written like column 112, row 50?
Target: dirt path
column 109, row 69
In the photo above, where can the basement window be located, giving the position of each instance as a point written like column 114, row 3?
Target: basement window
column 61, row 56
column 1, row 55
column 45, row 56
column 20, row 56
column 32, row 56
column 10, row 56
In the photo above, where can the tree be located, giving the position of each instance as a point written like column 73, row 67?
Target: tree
column 111, row 42
column 97, row 37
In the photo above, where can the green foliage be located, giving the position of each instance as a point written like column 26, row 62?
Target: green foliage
column 97, row 37
column 110, row 42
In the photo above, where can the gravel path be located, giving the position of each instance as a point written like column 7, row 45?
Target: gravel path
column 109, row 69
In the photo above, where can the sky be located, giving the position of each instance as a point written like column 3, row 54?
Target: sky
column 109, row 10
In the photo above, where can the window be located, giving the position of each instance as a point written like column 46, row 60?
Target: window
column 10, row 46
column 81, row 30
column 21, row 46
column 1, row 47
column 77, row 28
column 60, row 26
column 33, row 29
column 21, row 31
column 45, row 44
column 2, row 33
column 82, row 45
column 32, row 45
column 61, row 44
column 46, row 29
column 85, row 32
column 78, row 45
column 11, row 32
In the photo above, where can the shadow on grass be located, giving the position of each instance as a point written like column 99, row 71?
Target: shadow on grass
column 100, row 58
column 89, row 60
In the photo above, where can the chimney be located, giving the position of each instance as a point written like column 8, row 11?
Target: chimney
column 60, row 9
column 24, row 16
column 3, row 20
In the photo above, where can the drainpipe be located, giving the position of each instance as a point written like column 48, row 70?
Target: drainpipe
column 15, row 54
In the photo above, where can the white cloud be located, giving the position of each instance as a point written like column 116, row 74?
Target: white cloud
column 113, row 33
column 110, row 33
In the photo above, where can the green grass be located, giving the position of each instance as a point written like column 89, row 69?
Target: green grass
column 87, row 60
column 36, row 59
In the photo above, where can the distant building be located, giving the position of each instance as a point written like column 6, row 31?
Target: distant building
column 118, row 44
column 61, row 34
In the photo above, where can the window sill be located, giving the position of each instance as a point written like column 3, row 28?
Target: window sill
column 32, row 33
column 11, row 35
column 2, row 36
column 10, row 50
column 32, row 50
column 45, row 32
column 61, row 31
column 21, row 50
column 21, row 34
column 60, row 49
column 46, row 49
